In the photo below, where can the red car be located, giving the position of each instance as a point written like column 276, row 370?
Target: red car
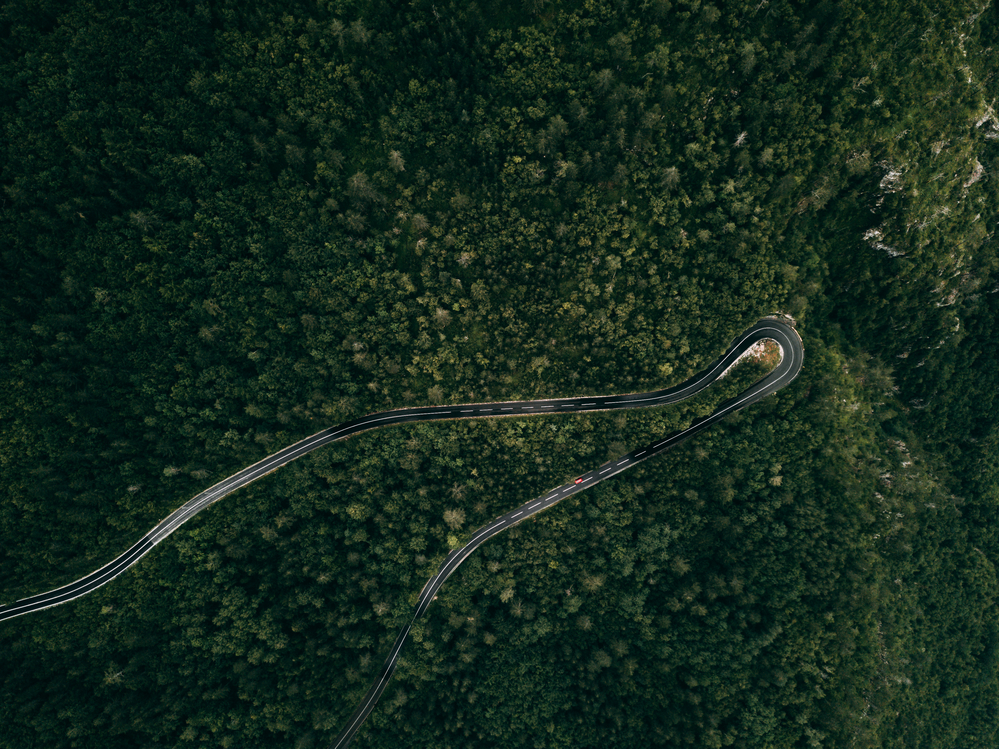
column 579, row 481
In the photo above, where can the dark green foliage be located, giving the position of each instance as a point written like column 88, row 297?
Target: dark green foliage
column 226, row 226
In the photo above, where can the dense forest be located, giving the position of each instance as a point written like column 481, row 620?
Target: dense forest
column 225, row 226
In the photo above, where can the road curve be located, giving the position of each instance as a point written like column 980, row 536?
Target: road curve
column 792, row 359
column 792, row 354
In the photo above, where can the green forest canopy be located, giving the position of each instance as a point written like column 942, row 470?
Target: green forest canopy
column 227, row 226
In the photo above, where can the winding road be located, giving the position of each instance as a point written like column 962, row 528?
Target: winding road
column 792, row 358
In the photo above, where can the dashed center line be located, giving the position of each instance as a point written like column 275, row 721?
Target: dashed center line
column 632, row 401
column 456, row 557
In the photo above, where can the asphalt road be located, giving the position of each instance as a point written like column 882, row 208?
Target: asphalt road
column 792, row 359
column 767, row 328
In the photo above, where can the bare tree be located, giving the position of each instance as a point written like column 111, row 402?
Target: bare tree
column 604, row 80
column 145, row 220
column 455, row 519
column 442, row 318
column 360, row 187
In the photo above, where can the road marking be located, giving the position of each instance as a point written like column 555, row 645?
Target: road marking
column 789, row 361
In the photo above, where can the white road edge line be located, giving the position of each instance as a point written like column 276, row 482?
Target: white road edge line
column 789, row 361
